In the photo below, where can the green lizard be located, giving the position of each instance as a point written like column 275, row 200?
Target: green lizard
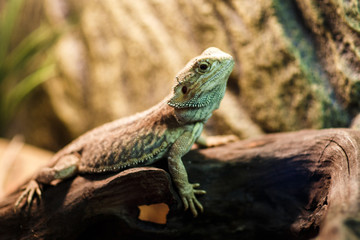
column 168, row 129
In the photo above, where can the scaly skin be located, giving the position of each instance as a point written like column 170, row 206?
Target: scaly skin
column 168, row 129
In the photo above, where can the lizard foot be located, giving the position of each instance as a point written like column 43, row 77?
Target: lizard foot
column 31, row 190
column 188, row 198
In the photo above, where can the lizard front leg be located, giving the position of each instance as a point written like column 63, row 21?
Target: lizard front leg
column 179, row 175
column 66, row 167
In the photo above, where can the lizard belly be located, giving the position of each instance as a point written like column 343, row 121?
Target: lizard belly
column 105, row 155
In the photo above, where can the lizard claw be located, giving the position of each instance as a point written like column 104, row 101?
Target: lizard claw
column 189, row 200
column 31, row 190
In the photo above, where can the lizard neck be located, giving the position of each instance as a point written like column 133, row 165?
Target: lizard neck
column 182, row 116
column 194, row 114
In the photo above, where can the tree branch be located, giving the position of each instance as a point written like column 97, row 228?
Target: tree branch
column 285, row 186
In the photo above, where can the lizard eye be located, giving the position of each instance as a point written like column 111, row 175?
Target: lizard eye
column 203, row 67
column 184, row 89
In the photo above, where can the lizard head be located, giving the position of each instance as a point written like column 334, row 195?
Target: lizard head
column 201, row 85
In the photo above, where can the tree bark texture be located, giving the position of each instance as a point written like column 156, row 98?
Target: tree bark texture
column 296, row 185
column 297, row 63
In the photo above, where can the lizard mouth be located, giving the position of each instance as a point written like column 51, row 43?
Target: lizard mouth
column 197, row 102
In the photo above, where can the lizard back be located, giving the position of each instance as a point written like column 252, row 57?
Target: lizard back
column 137, row 140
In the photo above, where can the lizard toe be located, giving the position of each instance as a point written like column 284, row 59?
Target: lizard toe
column 28, row 194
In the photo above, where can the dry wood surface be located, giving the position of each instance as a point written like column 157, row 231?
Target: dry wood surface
column 296, row 185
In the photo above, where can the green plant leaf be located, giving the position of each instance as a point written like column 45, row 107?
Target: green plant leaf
column 25, row 86
column 8, row 19
column 30, row 47
column 25, row 66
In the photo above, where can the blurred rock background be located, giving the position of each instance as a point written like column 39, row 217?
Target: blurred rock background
column 297, row 63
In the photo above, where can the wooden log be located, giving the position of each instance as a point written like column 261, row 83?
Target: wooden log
column 294, row 185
